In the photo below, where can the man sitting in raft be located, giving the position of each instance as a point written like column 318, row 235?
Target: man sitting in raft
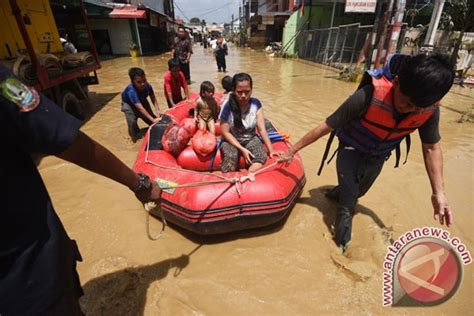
column 374, row 120
column 240, row 116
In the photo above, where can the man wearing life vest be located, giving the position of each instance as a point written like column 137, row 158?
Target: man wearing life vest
column 370, row 124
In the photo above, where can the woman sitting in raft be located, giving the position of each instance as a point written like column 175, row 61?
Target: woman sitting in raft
column 240, row 116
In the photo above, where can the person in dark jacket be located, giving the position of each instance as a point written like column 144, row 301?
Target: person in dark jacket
column 37, row 258
column 371, row 123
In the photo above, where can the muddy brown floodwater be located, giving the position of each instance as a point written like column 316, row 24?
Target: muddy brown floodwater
column 292, row 269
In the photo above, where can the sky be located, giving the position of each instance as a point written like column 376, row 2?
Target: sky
column 218, row 11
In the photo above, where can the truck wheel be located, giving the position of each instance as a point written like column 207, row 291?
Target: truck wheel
column 71, row 104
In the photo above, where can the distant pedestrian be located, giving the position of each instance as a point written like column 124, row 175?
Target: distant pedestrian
column 220, row 52
column 182, row 50
column 135, row 104
column 174, row 81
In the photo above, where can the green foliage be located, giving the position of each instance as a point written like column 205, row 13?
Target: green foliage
column 195, row 20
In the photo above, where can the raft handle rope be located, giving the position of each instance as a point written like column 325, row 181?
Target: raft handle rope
column 237, row 181
column 150, row 206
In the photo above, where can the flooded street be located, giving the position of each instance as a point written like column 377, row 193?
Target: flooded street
column 295, row 268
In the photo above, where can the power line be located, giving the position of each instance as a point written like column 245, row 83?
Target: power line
column 184, row 15
column 227, row 5
column 215, row 9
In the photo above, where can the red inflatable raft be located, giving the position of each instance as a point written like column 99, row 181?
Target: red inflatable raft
column 207, row 202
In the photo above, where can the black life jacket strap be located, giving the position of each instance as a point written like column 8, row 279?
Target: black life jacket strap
column 389, row 129
column 397, row 155
column 408, row 143
column 398, row 151
column 326, row 151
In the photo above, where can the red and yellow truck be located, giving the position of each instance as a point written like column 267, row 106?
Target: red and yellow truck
column 30, row 46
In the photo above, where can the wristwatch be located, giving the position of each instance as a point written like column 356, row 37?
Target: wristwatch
column 144, row 183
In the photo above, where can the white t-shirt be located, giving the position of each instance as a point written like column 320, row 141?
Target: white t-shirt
column 249, row 120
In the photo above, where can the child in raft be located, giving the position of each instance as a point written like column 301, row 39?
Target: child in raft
column 227, row 86
column 206, row 108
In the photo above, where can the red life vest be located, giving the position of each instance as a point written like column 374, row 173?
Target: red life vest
column 379, row 117
column 377, row 132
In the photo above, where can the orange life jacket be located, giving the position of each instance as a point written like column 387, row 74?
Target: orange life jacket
column 377, row 132
column 379, row 117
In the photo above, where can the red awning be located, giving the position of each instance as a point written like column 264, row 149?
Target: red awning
column 127, row 13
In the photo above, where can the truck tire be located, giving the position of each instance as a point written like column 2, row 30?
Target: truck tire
column 71, row 104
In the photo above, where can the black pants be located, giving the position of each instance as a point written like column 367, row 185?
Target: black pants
column 220, row 60
column 186, row 71
column 356, row 172
column 132, row 116
column 68, row 303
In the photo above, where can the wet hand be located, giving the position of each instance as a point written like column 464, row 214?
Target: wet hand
column 156, row 119
column 153, row 194
column 247, row 155
column 274, row 153
column 442, row 210
column 287, row 156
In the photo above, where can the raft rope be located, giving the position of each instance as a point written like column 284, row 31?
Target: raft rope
column 236, row 181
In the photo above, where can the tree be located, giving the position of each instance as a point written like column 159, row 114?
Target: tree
column 195, row 20
column 458, row 15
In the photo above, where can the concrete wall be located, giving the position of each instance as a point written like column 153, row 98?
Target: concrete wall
column 119, row 33
column 293, row 24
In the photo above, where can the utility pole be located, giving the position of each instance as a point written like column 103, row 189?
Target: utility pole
column 240, row 25
column 381, row 45
column 435, row 17
column 368, row 49
column 396, row 28
column 232, row 27
column 330, row 26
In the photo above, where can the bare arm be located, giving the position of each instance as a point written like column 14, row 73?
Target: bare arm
column 197, row 109
column 225, row 131
column 144, row 112
column 169, row 96
column 90, row 155
column 263, row 131
column 433, row 157
column 310, row 137
column 155, row 103
column 186, row 93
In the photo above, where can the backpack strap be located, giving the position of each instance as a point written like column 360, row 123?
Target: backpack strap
column 408, row 143
column 398, row 151
column 326, row 151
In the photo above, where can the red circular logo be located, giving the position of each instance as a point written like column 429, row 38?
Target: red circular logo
column 429, row 272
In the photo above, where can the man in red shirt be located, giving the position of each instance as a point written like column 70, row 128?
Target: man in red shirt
column 174, row 81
